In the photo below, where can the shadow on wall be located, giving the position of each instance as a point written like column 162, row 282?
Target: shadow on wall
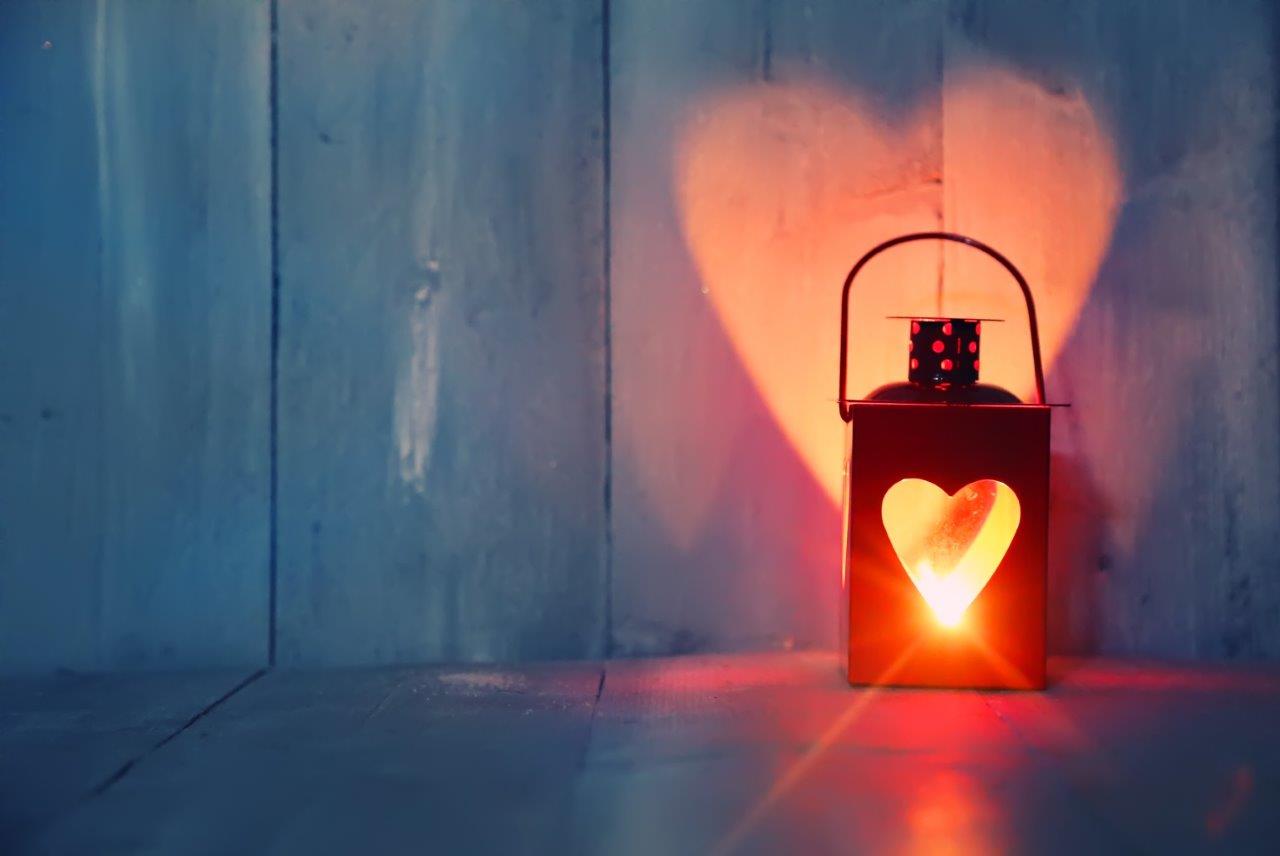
column 1164, row 520
column 779, row 186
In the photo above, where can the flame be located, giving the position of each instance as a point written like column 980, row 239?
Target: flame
column 942, row 592
column 950, row 546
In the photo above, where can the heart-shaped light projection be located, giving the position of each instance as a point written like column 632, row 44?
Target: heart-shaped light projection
column 950, row 545
column 781, row 186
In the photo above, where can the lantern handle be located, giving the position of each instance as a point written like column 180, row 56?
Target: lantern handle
column 846, row 412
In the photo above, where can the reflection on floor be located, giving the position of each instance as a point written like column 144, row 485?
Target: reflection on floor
column 742, row 754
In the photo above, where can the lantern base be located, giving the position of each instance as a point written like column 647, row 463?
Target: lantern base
column 955, row 658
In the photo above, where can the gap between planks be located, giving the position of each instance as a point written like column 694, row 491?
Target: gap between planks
column 591, row 720
column 106, row 784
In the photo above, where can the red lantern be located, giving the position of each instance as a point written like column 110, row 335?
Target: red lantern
column 946, row 512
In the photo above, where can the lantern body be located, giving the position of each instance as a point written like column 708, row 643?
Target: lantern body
column 894, row 636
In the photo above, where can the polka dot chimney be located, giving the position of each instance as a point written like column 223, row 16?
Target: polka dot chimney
column 944, row 352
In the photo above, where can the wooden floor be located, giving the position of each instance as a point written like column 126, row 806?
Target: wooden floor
column 745, row 754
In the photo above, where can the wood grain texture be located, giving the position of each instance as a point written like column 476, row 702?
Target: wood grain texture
column 63, row 737
column 391, row 760
column 443, row 446
column 724, row 538
column 442, row 362
column 1167, row 464
column 1148, row 185
column 768, row 753
column 134, row 324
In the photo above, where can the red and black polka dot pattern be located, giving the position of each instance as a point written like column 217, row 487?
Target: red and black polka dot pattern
column 944, row 351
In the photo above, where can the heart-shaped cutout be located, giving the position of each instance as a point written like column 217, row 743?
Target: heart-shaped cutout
column 950, row 545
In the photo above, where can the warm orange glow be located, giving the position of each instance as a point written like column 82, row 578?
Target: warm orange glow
column 781, row 186
column 950, row 813
column 1035, row 172
column 950, row 545
column 790, row 777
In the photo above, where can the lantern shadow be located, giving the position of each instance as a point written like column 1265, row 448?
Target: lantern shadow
column 1076, row 535
column 1142, row 500
column 736, row 550
column 1165, row 466
column 834, row 172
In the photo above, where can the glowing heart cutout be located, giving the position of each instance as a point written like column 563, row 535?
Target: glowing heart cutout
column 950, row 546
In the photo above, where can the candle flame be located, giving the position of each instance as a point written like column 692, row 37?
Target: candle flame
column 950, row 545
column 942, row 594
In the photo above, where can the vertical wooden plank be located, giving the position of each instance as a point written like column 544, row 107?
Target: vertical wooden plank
column 49, row 350
column 1167, row 465
column 758, row 149
column 135, row 312
column 441, row 369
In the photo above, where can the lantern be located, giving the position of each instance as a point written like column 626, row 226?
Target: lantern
column 946, row 512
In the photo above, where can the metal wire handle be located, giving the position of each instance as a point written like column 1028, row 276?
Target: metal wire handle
column 846, row 412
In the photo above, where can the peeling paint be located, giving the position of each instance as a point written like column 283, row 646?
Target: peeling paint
column 416, row 389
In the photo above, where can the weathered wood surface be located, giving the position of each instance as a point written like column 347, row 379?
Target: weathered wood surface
column 1190, row 740
column 387, row 761
column 743, row 754
column 63, row 737
column 1167, row 464
column 442, row 398
column 443, row 449
column 774, row 753
column 1122, row 153
column 134, row 334
column 724, row 198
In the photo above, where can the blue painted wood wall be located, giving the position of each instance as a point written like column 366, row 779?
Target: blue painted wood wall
column 135, row 319
column 338, row 332
column 442, row 406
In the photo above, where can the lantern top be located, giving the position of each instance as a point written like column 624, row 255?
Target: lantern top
column 927, row 374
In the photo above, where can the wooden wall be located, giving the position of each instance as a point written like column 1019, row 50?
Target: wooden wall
column 1122, row 153
column 441, row 331
column 729, row 192
column 135, row 318
column 1168, row 462
column 340, row 332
